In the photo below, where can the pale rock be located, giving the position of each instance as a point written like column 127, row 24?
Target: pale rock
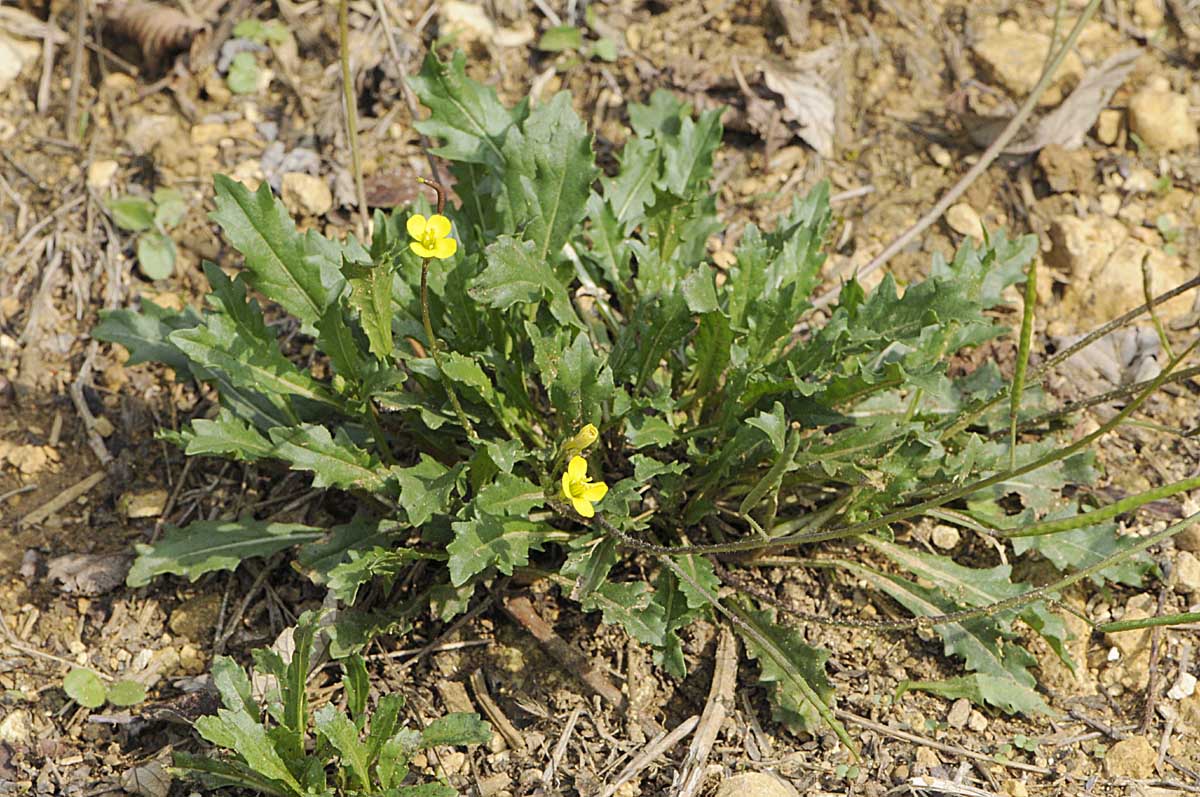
column 1133, row 757
column 16, row 728
column 960, row 712
column 1110, row 204
column 927, row 759
column 1055, row 673
column 209, row 133
column 756, row 784
column 1183, row 688
column 940, row 155
column 1108, row 126
column 147, row 131
column 1016, row 788
column 117, row 83
column 1187, row 572
column 453, row 762
column 1014, row 58
column 493, row 785
column 305, row 194
column 249, row 172
column 945, row 537
column 1160, row 119
column 518, row 35
column 142, row 504
column 15, row 55
column 100, row 174
column 467, row 21
column 977, row 722
column 1148, row 14
column 963, row 219
column 1132, row 663
column 1105, row 267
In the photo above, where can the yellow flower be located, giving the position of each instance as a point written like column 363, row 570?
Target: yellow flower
column 580, row 490
column 431, row 237
column 582, row 439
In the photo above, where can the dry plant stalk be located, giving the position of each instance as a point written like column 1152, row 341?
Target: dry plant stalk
column 157, row 29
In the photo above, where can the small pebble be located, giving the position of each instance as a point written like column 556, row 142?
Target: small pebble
column 977, row 722
column 940, row 155
column 959, row 714
column 945, row 537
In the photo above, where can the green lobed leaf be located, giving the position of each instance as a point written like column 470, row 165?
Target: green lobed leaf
column 156, row 255
column 243, row 734
column 629, row 604
column 549, row 173
column 515, row 275
column 371, row 297
column 793, row 672
column 334, row 460
column 362, row 566
column 234, row 773
column 425, row 488
column 233, row 685
column 208, row 545
column 226, row 435
column 318, row 559
column 559, row 38
column 1084, row 547
column 489, row 541
column 466, row 115
column 145, row 334
column 583, row 385
column 291, row 269
column 342, row 733
column 456, row 729
column 509, row 495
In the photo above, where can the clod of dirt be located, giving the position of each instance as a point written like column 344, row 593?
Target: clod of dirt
column 306, row 195
column 1105, row 267
column 1188, row 539
column 196, row 618
column 28, row 459
column 89, row 574
column 467, row 22
column 1187, row 572
column 1131, row 758
column 1014, row 57
column 1066, row 170
column 151, row 780
column 1160, row 119
column 756, row 784
column 147, row 131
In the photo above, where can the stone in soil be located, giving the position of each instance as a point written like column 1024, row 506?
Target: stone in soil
column 100, row 174
column 1108, row 126
column 945, row 537
column 1187, row 572
column 756, row 784
column 307, row 195
column 1188, row 539
column 960, row 712
column 1013, row 57
column 964, row 220
column 1131, row 758
column 1160, row 119
column 1104, row 265
column 1132, row 667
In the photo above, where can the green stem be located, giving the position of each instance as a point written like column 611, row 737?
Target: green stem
column 351, row 104
column 1018, row 383
column 437, row 356
column 1149, row 622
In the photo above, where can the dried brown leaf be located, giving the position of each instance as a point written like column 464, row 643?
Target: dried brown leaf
column 1067, row 124
column 157, row 29
column 807, row 101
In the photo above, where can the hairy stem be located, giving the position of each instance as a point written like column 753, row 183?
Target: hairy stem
column 351, row 108
column 435, row 350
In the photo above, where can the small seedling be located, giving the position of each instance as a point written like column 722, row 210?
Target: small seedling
column 151, row 219
column 85, row 688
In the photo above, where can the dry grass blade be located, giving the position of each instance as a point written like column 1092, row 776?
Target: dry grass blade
column 157, row 29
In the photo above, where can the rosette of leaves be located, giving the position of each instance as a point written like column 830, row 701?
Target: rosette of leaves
column 579, row 296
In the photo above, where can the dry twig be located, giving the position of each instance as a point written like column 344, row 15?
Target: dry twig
column 657, row 746
column 690, row 775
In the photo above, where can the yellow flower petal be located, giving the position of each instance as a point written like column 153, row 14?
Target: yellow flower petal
column 421, row 249
column 567, row 481
column 445, row 247
column 583, row 507
column 439, row 225
column 594, row 492
column 577, row 469
column 416, row 225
